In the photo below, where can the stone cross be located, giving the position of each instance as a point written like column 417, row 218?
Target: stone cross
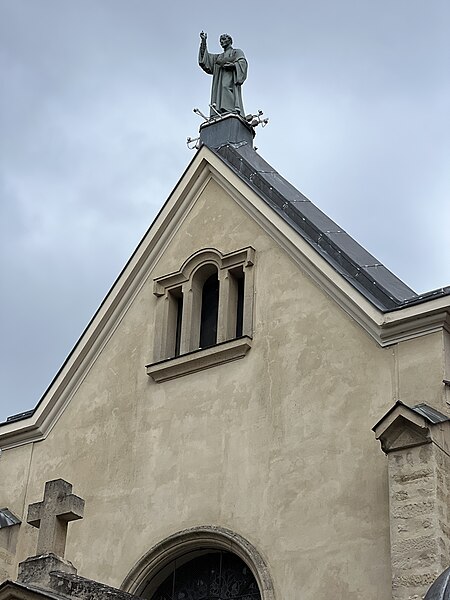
column 52, row 515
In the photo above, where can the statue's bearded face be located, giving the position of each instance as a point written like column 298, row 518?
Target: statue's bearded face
column 225, row 40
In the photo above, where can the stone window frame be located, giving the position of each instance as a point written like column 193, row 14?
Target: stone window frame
column 187, row 282
column 197, row 538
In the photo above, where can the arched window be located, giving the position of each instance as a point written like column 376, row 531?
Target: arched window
column 206, row 305
column 207, row 574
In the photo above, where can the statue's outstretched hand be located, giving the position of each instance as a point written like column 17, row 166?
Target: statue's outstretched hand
column 203, row 36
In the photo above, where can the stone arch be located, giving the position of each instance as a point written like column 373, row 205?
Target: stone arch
column 200, row 258
column 197, row 538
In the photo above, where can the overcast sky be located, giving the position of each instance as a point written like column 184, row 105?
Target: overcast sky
column 96, row 104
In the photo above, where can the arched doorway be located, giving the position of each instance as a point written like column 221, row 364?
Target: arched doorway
column 201, row 563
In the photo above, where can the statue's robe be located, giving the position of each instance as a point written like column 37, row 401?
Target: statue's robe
column 226, row 84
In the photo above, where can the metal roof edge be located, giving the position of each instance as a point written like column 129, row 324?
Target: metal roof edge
column 379, row 285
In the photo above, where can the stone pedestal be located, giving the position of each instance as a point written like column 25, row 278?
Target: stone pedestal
column 417, row 464
column 36, row 569
column 230, row 129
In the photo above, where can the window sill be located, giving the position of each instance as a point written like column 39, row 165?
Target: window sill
column 198, row 360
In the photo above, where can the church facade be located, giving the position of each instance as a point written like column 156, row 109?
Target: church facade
column 257, row 404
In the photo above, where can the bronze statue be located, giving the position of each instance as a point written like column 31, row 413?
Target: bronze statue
column 229, row 71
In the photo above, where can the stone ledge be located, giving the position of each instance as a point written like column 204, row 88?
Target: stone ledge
column 63, row 586
column 74, row 586
column 199, row 359
column 11, row 590
column 50, row 576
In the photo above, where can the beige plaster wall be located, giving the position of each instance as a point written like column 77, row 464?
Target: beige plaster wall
column 420, row 369
column 14, row 473
column 277, row 446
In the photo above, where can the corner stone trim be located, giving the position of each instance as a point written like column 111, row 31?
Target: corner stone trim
column 414, row 440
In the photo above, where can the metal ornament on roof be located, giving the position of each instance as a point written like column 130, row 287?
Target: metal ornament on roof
column 252, row 120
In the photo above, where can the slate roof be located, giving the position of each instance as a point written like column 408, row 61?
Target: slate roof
column 363, row 271
column 432, row 415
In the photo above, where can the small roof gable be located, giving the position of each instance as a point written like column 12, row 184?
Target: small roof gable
column 430, row 414
column 404, row 426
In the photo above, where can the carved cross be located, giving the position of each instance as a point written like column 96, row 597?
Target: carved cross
column 52, row 515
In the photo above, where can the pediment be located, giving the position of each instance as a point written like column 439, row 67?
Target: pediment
column 403, row 434
column 402, row 428
column 206, row 166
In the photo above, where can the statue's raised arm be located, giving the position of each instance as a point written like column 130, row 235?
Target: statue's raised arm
column 203, row 38
column 229, row 71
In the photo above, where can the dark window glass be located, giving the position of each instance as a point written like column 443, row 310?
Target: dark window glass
column 210, row 311
column 178, row 326
column 214, row 575
column 240, row 307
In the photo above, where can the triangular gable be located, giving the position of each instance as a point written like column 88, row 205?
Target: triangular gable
column 385, row 328
column 404, row 426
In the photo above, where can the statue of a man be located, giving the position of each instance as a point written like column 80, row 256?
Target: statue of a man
column 229, row 71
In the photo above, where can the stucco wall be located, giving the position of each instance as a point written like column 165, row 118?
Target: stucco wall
column 277, row 446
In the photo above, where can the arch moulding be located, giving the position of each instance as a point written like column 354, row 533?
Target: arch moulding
column 197, row 538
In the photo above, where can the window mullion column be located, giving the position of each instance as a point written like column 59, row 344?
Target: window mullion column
column 247, row 324
column 186, row 319
column 190, row 321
